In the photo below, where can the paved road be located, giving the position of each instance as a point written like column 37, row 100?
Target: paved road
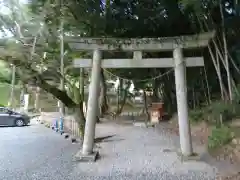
column 37, row 153
column 34, row 152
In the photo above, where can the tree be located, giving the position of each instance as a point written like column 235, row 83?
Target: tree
column 27, row 52
column 37, row 32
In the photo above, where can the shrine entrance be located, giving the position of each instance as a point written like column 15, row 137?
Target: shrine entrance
column 137, row 46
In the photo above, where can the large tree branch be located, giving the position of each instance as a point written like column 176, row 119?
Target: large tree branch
column 39, row 81
column 59, row 94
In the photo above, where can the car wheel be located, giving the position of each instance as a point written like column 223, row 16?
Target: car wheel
column 19, row 122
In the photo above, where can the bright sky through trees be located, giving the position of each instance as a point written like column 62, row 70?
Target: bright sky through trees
column 5, row 10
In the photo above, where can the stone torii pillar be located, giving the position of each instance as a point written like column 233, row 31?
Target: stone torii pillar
column 92, row 109
column 182, row 105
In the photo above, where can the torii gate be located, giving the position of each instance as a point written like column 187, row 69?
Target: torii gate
column 137, row 46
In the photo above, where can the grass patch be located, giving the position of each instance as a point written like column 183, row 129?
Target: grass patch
column 5, row 90
column 220, row 136
column 218, row 115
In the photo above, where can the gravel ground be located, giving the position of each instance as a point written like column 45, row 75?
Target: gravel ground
column 139, row 153
column 37, row 153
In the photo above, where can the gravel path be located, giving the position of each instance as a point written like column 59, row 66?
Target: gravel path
column 37, row 153
column 138, row 153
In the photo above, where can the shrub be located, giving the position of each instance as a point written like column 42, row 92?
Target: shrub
column 221, row 112
column 196, row 115
column 218, row 113
column 220, row 136
column 236, row 94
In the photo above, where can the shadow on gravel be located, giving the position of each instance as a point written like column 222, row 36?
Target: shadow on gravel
column 106, row 139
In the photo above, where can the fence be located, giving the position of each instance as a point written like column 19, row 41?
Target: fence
column 70, row 125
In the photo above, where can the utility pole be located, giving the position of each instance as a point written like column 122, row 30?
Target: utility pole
column 62, row 87
column 38, row 92
column 10, row 102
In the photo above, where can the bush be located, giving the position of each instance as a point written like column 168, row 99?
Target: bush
column 221, row 112
column 196, row 115
column 218, row 113
column 220, row 136
column 236, row 95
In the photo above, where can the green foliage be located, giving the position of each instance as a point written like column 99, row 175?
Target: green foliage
column 236, row 94
column 218, row 113
column 196, row 115
column 5, row 73
column 221, row 112
column 156, row 18
column 4, row 94
column 219, row 137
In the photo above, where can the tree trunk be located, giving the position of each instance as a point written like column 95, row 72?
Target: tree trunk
column 81, row 84
column 123, row 99
column 225, row 66
column 119, row 94
column 146, row 107
column 223, row 59
column 194, row 98
column 169, row 94
column 155, row 90
column 81, row 101
column 226, row 53
column 222, row 87
column 221, row 82
column 57, row 93
column 80, row 119
column 23, row 91
column 216, row 66
column 37, row 96
column 103, row 95
column 207, row 84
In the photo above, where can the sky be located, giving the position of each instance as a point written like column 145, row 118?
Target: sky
column 5, row 10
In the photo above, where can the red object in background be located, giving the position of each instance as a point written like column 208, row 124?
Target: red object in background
column 157, row 108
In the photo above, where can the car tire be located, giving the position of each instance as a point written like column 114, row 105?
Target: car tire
column 19, row 122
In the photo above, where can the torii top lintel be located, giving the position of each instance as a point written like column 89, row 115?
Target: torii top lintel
column 141, row 44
